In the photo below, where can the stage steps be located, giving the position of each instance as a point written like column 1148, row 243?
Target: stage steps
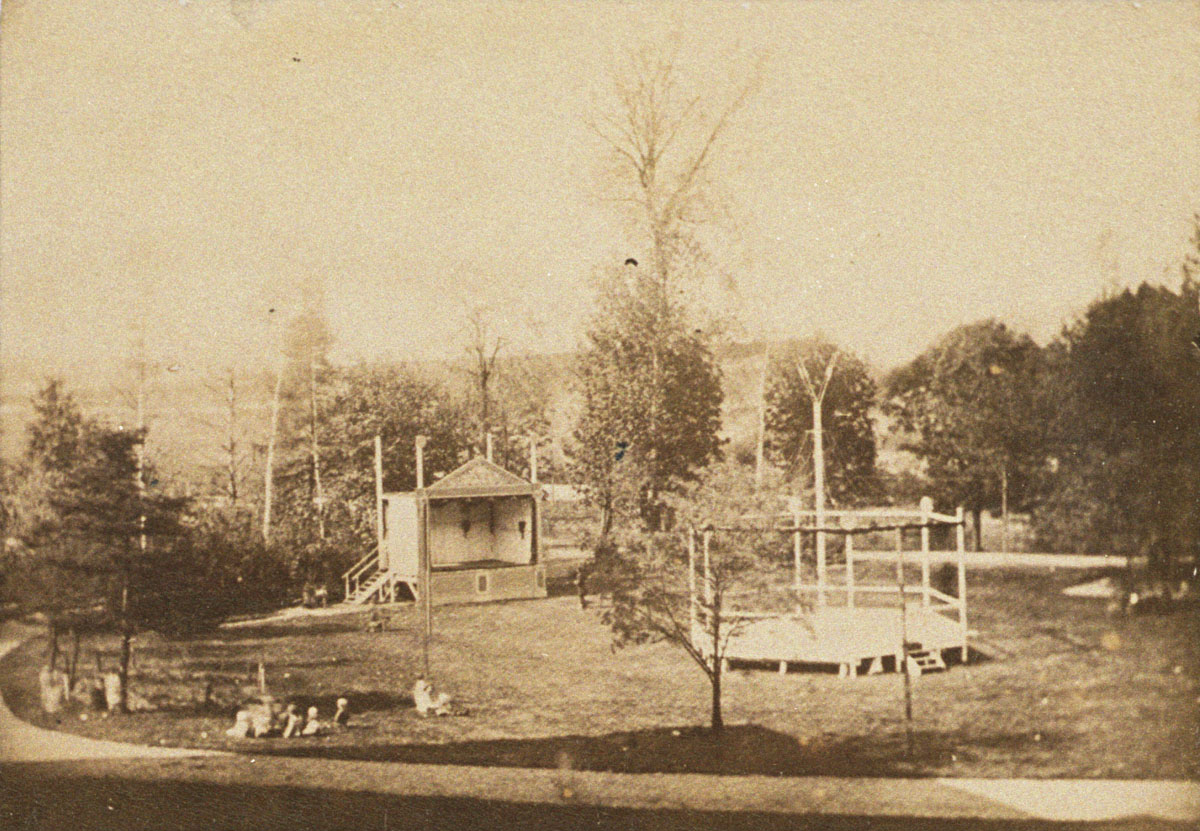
column 367, row 590
column 922, row 660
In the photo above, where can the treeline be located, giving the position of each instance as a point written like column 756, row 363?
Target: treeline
column 1094, row 436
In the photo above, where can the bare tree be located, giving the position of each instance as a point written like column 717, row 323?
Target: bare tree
column 230, row 427
column 272, row 439
column 484, row 345
column 663, row 141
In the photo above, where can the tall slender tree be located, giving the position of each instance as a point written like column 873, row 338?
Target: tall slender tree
column 650, row 387
column 848, row 428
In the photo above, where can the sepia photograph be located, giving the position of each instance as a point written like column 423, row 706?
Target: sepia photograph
column 626, row 414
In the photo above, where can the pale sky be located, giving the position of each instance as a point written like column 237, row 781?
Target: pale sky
column 904, row 167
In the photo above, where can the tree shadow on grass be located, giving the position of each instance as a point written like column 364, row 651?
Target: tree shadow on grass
column 39, row 796
column 742, row 750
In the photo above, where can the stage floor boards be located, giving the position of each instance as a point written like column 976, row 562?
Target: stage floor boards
column 841, row 635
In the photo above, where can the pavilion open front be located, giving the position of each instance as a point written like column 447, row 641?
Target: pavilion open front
column 481, row 525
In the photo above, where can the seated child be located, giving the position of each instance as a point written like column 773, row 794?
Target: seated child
column 342, row 717
column 377, row 621
column 254, row 720
column 292, row 722
column 426, row 702
column 241, row 726
column 312, row 726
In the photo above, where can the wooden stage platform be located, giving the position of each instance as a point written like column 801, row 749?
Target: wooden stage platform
column 858, row 639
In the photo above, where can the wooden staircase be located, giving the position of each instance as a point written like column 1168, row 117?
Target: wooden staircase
column 366, row 583
column 369, row 589
column 921, row 660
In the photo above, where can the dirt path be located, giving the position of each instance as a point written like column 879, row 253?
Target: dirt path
column 21, row 742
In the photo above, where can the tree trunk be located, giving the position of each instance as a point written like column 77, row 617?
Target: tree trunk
column 123, row 667
column 713, row 602
column 73, row 664
column 718, row 724
column 53, row 633
column 318, row 494
column 977, row 515
column 232, row 446
column 269, row 477
column 126, row 643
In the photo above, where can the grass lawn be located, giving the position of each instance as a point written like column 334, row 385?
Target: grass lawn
column 1068, row 691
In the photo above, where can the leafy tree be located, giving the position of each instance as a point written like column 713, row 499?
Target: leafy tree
column 361, row 402
column 849, row 431
column 57, row 428
column 123, row 540
column 651, row 404
column 650, row 387
column 972, row 407
column 56, row 441
column 646, row 575
column 1127, row 390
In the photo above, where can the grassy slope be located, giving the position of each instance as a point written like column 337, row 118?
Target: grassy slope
column 1072, row 692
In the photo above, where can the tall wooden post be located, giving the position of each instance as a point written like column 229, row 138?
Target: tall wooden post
column 908, row 708
column 533, row 460
column 488, row 446
column 819, row 495
column 423, row 555
column 380, row 550
column 962, row 578
column 926, row 510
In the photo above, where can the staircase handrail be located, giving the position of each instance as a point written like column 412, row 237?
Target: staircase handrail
column 356, row 571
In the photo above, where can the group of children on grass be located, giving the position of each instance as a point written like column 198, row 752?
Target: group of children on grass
column 266, row 717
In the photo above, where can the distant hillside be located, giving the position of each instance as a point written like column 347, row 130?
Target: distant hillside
column 188, row 413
